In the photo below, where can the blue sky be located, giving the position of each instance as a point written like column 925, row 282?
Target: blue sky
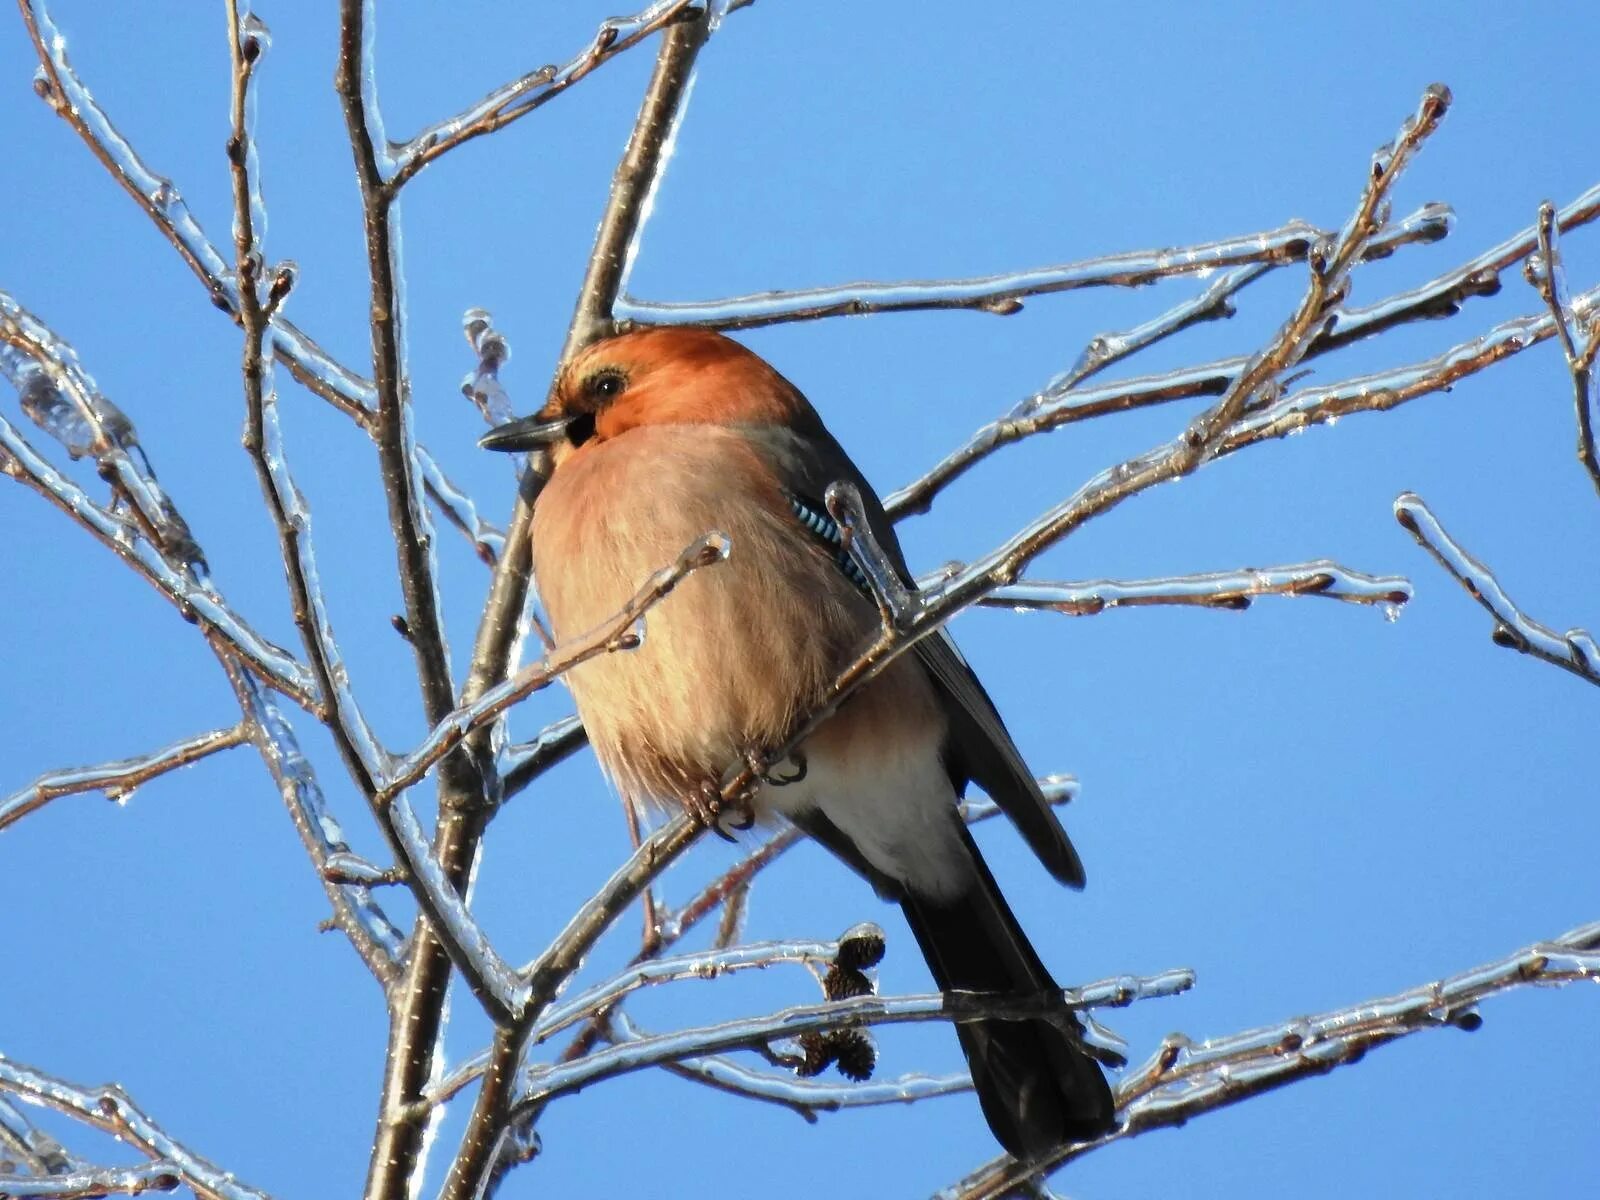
column 1305, row 803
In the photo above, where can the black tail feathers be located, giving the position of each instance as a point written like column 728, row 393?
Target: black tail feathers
column 1038, row 1086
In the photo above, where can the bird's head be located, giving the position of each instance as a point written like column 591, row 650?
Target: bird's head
column 666, row 376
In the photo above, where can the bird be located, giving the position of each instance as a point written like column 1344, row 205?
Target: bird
column 659, row 435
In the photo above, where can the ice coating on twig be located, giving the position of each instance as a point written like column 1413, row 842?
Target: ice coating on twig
column 698, row 965
column 522, row 762
column 492, row 979
column 1002, row 294
column 540, row 1083
column 20, row 461
column 482, row 384
column 356, row 912
column 458, row 507
column 1574, row 651
column 110, row 1109
column 514, row 100
column 1580, row 336
column 1233, row 590
column 1184, row 1079
column 118, row 779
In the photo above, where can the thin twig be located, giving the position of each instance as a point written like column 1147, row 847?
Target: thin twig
column 1048, row 411
column 542, row 1083
column 1575, row 652
column 110, row 1109
column 263, row 439
column 355, row 81
column 1001, row 294
column 1184, row 1079
column 355, row 912
column 195, row 597
column 515, row 100
column 93, row 1182
column 117, row 779
column 523, row 762
column 1232, row 590
column 805, row 1097
column 1577, row 344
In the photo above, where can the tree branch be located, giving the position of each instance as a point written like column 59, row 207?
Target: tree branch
column 364, row 756
column 1233, row 590
column 1574, row 652
column 515, row 100
column 35, row 367
column 111, row 1110
column 1545, row 272
column 540, row 1084
column 93, row 1182
column 117, row 779
column 1183, row 1080
column 1002, row 294
column 1064, row 403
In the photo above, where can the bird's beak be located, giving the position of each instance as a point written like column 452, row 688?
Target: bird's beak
column 526, row 433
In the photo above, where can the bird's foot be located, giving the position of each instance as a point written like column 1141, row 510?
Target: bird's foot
column 710, row 809
column 779, row 774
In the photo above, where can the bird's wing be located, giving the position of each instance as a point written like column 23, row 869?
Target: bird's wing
column 978, row 746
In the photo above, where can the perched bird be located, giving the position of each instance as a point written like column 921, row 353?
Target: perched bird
column 662, row 435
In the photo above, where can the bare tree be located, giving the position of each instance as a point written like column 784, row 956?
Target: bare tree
column 546, row 1043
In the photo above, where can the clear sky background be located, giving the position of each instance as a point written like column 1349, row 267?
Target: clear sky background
column 1305, row 803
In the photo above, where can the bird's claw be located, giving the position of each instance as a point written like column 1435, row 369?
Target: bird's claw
column 773, row 775
column 709, row 808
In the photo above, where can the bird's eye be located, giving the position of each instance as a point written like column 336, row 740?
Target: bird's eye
column 605, row 384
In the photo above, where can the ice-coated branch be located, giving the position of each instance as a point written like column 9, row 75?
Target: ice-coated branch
column 620, row 632
column 196, row 599
column 523, row 762
column 70, row 99
column 1442, row 296
column 1578, row 343
column 1233, row 590
column 160, row 199
column 514, row 100
column 111, row 1110
column 1330, row 265
column 697, row 965
column 1064, row 403
column 482, row 385
column 355, row 911
column 117, row 780
column 604, row 996
column 355, row 82
column 542, row 1083
column 806, row 1097
column 1313, row 405
column 1185, row 1079
column 897, row 603
column 1575, row 651
column 1003, row 294
column 637, row 173
column 263, row 438
column 92, row 1182
column 459, row 509
column 24, row 1144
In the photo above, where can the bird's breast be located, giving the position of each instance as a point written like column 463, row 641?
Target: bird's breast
column 738, row 651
